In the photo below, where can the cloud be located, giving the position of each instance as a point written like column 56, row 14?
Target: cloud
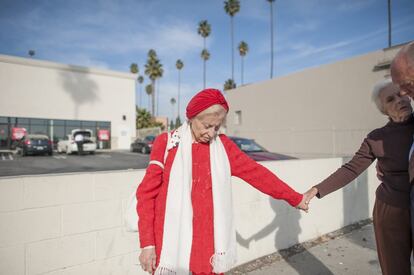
column 107, row 31
column 320, row 7
column 354, row 5
column 177, row 37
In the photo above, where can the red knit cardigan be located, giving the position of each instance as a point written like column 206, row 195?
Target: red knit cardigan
column 152, row 194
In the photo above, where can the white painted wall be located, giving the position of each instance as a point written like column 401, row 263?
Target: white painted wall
column 73, row 223
column 41, row 89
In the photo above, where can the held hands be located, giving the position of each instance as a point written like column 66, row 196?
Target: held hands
column 307, row 197
column 148, row 259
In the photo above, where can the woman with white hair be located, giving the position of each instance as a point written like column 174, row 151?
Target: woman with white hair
column 390, row 146
column 185, row 201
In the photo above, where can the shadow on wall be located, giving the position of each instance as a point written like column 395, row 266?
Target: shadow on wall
column 285, row 226
column 80, row 87
column 356, row 204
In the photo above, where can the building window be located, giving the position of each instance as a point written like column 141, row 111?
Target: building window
column 238, row 117
column 56, row 129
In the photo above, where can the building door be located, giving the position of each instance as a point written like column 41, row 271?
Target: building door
column 124, row 137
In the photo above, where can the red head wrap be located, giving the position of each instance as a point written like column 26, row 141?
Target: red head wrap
column 205, row 99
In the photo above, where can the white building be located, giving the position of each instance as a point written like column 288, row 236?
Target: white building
column 322, row 111
column 52, row 98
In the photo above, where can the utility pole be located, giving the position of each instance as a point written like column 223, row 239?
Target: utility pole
column 389, row 24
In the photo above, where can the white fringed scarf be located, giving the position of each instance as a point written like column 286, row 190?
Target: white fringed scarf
column 178, row 223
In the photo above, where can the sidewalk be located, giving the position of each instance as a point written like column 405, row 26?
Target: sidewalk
column 348, row 251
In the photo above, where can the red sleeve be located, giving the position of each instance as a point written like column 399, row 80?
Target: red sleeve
column 257, row 175
column 148, row 191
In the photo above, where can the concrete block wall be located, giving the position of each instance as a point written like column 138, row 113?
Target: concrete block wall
column 67, row 224
column 73, row 223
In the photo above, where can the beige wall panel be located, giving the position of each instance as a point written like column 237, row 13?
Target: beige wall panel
column 320, row 111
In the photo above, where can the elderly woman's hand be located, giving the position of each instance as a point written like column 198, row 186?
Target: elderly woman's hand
column 304, row 204
column 307, row 197
column 148, row 259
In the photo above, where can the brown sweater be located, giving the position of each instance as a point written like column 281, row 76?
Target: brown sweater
column 390, row 145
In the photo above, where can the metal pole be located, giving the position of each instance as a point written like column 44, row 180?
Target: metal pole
column 389, row 23
column 271, row 39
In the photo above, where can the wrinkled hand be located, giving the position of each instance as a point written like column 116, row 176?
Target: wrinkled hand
column 311, row 193
column 307, row 197
column 304, row 204
column 147, row 259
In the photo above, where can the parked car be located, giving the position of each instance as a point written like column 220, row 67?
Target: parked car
column 150, row 140
column 142, row 145
column 68, row 144
column 256, row 151
column 35, row 145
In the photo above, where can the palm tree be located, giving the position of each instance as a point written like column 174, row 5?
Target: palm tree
column 140, row 81
column 243, row 49
column 179, row 65
column 133, row 68
column 271, row 37
column 205, row 55
column 154, row 70
column 148, row 90
column 204, row 29
column 31, row 53
column 144, row 119
column 229, row 84
column 177, row 122
column 172, row 101
column 232, row 7
column 152, row 53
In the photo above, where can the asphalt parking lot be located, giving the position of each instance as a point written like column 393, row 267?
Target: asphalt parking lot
column 14, row 164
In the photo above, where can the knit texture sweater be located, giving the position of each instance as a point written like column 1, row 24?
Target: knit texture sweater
column 152, row 194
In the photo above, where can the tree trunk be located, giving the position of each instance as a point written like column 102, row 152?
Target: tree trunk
column 158, row 96
column 232, row 50
column 204, row 73
column 204, row 67
column 153, row 98
column 178, row 97
column 242, row 69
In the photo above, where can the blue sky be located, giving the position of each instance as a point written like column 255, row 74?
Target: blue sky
column 112, row 34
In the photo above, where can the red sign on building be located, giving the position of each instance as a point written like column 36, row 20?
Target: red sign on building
column 18, row 133
column 103, row 135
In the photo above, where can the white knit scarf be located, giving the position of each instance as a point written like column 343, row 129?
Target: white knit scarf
column 178, row 223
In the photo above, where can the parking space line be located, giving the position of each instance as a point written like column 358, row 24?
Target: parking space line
column 59, row 157
column 10, row 156
column 3, row 157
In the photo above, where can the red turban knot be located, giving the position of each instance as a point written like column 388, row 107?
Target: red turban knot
column 205, row 99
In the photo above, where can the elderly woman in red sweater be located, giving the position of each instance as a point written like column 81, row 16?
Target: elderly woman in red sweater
column 390, row 146
column 185, row 200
